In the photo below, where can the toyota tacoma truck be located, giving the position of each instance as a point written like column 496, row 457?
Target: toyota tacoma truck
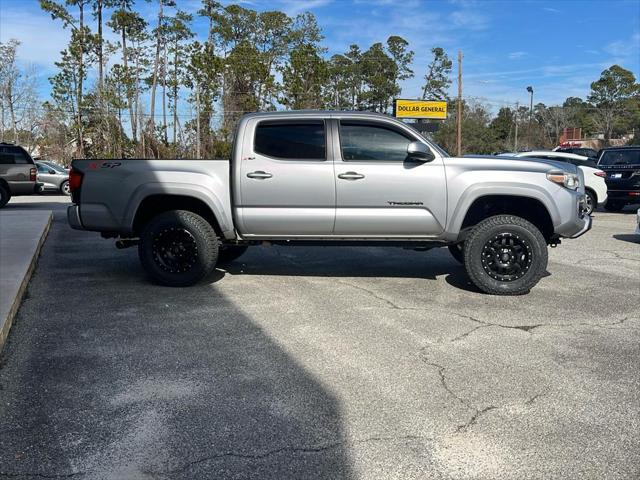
column 333, row 178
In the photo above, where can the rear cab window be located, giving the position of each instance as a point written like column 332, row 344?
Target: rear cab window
column 620, row 157
column 291, row 139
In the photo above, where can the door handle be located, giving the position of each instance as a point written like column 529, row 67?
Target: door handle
column 351, row 176
column 259, row 174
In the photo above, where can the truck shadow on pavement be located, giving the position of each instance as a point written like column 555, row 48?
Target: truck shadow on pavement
column 375, row 262
column 118, row 378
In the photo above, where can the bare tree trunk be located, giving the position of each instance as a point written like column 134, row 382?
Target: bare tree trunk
column 175, row 94
column 125, row 61
column 12, row 113
column 100, row 54
column 156, row 63
column 164, row 95
column 80, row 74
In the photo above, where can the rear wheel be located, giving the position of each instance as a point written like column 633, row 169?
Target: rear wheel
column 457, row 251
column 590, row 201
column 613, row 205
column 505, row 255
column 178, row 248
column 228, row 253
column 64, row 188
column 5, row 195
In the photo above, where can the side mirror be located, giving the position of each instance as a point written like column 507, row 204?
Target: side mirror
column 418, row 151
column 52, row 171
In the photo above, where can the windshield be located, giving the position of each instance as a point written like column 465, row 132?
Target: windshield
column 55, row 167
column 620, row 157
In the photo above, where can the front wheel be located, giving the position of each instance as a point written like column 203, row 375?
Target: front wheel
column 178, row 248
column 505, row 255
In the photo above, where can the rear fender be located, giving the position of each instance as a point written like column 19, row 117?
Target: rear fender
column 220, row 207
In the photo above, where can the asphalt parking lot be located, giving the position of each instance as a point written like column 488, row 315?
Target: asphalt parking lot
column 323, row 363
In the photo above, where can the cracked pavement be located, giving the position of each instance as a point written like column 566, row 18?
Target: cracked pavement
column 335, row 363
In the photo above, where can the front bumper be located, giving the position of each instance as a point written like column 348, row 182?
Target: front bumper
column 577, row 223
column 585, row 227
column 73, row 217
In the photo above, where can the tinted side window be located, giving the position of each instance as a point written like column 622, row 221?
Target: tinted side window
column 42, row 168
column 361, row 141
column 293, row 141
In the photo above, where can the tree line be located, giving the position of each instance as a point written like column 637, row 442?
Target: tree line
column 161, row 91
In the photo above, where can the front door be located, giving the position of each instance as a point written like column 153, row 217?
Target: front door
column 379, row 192
column 287, row 185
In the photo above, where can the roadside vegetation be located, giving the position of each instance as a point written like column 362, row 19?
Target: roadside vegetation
column 160, row 91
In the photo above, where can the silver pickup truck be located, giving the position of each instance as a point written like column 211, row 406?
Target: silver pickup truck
column 334, row 178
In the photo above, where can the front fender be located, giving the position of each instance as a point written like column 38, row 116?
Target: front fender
column 476, row 191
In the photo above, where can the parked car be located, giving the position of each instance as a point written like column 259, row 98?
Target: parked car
column 18, row 175
column 333, row 178
column 582, row 151
column 594, row 178
column 53, row 180
column 622, row 167
column 55, row 166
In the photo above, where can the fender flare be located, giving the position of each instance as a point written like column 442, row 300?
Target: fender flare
column 199, row 192
column 475, row 192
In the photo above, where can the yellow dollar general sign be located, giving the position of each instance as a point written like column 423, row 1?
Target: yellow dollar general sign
column 420, row 109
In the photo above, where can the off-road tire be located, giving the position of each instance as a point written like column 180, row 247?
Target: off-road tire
column 534, row 251
column 613, row 206
column 457, row 251
column 228, row 253
column 191, row 257
column 591, row 202
column 64, row 188
column 5, row 195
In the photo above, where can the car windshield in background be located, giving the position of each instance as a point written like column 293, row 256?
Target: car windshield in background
column 620, row 157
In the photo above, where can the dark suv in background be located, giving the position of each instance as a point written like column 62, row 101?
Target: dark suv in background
column 583, row 151
column 18, row 173
column 622, row 166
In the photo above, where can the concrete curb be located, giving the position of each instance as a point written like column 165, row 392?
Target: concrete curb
column 17, row 301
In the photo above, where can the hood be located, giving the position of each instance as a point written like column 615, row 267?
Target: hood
column 523, row 163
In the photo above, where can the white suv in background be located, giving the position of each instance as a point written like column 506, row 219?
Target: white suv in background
column 594, row 184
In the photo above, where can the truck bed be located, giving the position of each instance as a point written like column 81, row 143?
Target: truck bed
column 112, row 189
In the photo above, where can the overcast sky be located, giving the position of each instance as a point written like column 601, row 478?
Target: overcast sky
column 558, row 47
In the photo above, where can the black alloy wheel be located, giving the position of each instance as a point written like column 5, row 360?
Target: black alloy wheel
column 178, row 248
column 506, row 257
column 174, row 250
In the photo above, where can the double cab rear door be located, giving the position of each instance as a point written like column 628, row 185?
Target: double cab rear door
column 337, row 177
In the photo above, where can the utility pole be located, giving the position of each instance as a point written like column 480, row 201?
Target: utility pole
column 459, row 109
column 530, row 90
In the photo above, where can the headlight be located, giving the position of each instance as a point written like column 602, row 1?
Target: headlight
column 567, row 180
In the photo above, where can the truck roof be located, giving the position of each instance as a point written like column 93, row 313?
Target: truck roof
column 315, row 113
